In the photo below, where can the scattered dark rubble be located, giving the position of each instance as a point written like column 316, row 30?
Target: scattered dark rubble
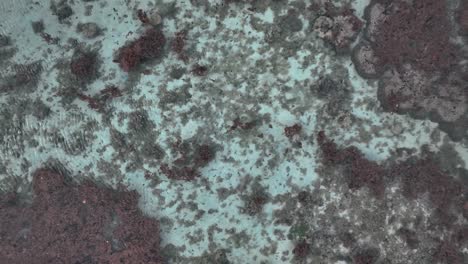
column 190, row 158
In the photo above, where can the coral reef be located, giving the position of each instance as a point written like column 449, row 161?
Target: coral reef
column 219, row 136
column 147, row 47
column 410, row 48
column 61, row 9
column 179, row 43
column 99, row 101
column 293, row 132
column 359, row 171
column 69, row 223
column 417, row 33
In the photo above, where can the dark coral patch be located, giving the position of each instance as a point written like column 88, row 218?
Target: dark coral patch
column 367, row 64
column 417, row 176
column 301, row 250
column 366, row 256
column 148, row 47
column 84, row 65
column 142, row 16
column 200, row 70
column 293, row 131
column 68, row 223
column 416, row 32
column 179, row 173
column 424, row 176
column 338, row 27
column 446, row 252
column 204, row 155
column 359, row 171
column 462, row 17
column 190, row 160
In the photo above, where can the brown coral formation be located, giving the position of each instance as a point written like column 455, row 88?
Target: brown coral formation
column 68, row 223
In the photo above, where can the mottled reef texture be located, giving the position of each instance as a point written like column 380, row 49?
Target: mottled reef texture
column 411, row 47
column 68, row 223
column 412, row 209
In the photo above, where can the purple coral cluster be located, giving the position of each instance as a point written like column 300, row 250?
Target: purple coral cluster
column 409, row 46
